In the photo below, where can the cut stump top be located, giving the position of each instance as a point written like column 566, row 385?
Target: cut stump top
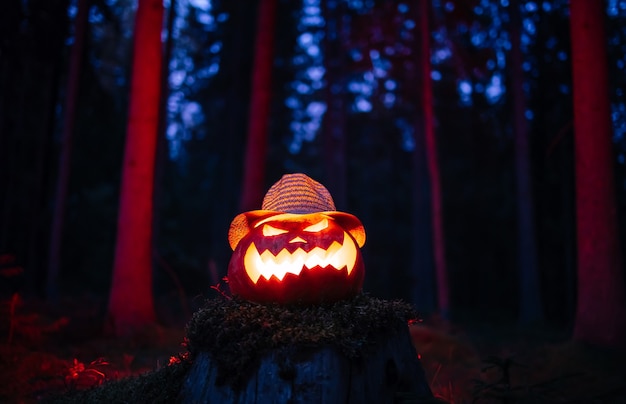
column 355, row 351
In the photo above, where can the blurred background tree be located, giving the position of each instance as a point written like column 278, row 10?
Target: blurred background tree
column 131, row 302
column 601, row 301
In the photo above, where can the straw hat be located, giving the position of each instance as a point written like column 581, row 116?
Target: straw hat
column 296, row 194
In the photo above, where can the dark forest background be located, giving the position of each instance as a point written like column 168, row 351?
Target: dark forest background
column 373, row 71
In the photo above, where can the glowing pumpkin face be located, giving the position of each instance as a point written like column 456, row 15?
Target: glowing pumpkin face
column 297, row 258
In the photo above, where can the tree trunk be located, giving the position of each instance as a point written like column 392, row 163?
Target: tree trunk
column 529, row 291
column 131, row 304
column 69, row 118
column 439, row 252
column 423, row 293
column 390, row 372
column 237, row 64
column 16, row 174
column 258, row 125
column 32, row 44
column 601, row 306
column 334, row 142
column 161, row 154
column 11, row 96
column 43, row 130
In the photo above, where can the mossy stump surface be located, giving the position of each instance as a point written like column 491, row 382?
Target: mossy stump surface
column 354, row 351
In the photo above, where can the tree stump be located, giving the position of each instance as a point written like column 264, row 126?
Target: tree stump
column 379, row 366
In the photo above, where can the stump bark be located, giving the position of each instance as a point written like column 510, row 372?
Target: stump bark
column 388, row 372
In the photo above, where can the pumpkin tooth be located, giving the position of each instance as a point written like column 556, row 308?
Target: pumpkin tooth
column 267, row 264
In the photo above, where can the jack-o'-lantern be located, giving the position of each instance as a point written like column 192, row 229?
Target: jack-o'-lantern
column 297, row 248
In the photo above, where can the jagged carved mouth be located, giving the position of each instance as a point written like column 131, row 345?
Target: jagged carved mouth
column 337, row 255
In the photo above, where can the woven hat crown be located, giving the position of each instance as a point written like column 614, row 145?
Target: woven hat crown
column 298, row 193
column 295, row 194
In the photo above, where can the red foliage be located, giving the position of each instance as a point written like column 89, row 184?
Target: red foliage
column 81, row 377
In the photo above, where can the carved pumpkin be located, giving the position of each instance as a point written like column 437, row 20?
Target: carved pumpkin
column 287, row 257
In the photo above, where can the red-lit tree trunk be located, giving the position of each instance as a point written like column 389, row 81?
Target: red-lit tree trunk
column 131, row 304
column 601, row 306
column 530, row 298
column 69, row 118
column 258, row 118
column 439, row 249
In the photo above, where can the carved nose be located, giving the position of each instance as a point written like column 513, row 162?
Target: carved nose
column 298, row 240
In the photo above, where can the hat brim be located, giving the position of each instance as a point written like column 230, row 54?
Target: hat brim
column 243, row 222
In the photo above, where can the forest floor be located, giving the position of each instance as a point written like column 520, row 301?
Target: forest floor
column 46, row 350
column 501, row 362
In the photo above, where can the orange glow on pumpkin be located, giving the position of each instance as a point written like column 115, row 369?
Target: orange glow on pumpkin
column 289, row 257
column 337, row 256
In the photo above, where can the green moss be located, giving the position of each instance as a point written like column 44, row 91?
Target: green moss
column 237, row 333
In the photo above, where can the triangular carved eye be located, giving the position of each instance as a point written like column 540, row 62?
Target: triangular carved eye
column 319, row 226
column 269, row 231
